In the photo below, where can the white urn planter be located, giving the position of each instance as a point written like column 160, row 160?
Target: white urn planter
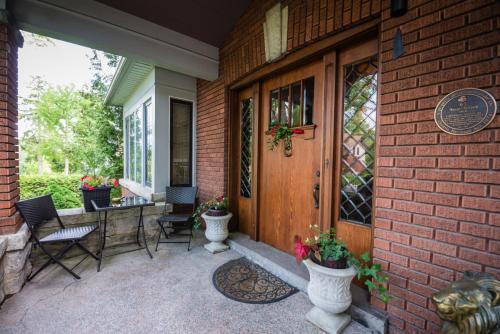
column 329, row 291
column 216, row 232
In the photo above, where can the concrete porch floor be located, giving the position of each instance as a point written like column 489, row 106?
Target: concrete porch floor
column 173, row 293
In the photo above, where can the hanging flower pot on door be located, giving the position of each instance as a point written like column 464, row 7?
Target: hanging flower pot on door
column 283, row 133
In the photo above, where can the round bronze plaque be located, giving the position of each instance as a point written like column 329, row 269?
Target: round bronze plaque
column 465, row 111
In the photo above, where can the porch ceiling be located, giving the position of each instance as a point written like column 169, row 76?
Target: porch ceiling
column 207, row 21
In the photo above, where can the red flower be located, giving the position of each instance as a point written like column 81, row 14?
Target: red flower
column 85, row 184
column 301, row 250
column 220, row 198
column 90, row 188
column 83, row 177
column 297, row 131
column 115, row 183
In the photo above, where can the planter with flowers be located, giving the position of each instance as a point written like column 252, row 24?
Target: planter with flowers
column 331, row 269
column 283, row 133
column 216, row 217
column 98, row 189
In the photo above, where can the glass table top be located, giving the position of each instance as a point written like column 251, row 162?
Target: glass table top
column 125, row 203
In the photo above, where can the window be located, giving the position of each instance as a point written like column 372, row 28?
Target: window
column 148, row 121
column 292, row 105
column 246, row 148
column 139, row 144
column 358, row 143
column 181, row 137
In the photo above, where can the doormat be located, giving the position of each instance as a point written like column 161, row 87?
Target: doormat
column 246, row 282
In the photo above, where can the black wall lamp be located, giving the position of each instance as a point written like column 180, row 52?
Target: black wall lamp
column 399, row 7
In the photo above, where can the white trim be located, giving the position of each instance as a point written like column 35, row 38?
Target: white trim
column 95, row 25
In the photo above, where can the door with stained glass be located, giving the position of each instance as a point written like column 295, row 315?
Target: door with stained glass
column 354, row 145
column 289, row 186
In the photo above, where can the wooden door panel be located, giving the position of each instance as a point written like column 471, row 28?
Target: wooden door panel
column 286, row 206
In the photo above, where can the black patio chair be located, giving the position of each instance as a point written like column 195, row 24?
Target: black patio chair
column 177, row 222
column 40, row 210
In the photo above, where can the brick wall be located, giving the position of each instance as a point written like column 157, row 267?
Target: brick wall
column 438, row 207
column 242, row 53
column 9, row 163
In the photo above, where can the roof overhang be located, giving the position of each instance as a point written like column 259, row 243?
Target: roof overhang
column 128, row 76
column 92, row 24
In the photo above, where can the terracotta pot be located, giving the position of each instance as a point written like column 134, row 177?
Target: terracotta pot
column 329, row 291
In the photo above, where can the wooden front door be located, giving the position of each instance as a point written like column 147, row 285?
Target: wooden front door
column 289, row 186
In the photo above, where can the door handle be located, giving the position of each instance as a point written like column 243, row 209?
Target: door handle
column 316, row 195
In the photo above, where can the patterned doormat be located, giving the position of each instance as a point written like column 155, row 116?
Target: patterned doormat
column 246, row 282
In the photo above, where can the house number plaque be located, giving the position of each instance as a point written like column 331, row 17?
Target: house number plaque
column 465, row 111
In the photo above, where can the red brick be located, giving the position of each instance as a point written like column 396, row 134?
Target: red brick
column 478, row 137
column 434, row 246
column 480, row 230
column 418, row 139
column 382, row 244
column 414, row 207
column 494, row 246
column 414, row 184
column 482, row 149
column 491, row 260
column 416, row 162
column 423, row 312
column 481, row 203
column 461, row 239
column 440, row 199
column 397, row 151
column 441, row 175
column 454, row 263
column 421, row 289
column 411, row 252
column 431, row 269
column 461, row 214
column 438, row 150
column 435, row 222
column 394, row 193
column 390, row 257
column 482, row 177
column 391, row 236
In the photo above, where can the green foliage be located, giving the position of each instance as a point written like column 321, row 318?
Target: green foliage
column 280, row 132
column 65, row 190
column 219, row 203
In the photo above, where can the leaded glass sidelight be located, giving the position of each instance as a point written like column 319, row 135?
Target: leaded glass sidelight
column 358, row 141
column 246, row 148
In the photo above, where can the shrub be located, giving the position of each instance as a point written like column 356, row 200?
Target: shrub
column 65, row 190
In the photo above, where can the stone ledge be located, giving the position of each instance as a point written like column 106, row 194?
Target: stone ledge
column 18, row 240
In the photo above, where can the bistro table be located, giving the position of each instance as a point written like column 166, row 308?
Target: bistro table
column 125, row 203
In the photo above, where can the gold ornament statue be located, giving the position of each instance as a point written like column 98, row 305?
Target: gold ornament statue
column 470, row 305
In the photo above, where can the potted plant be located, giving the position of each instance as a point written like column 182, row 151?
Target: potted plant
column 98, row 189
column 331, row 269
column 215, row 214
column 283, row 133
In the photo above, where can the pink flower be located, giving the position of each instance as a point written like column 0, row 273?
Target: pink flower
column 90, row 188
column 301, row 250
column 85, row 184
column 220, row 198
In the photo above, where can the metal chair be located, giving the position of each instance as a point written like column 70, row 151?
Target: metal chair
column 40, row 210
column 177, row 222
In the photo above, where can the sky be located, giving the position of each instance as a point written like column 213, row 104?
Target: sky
column 57, row 62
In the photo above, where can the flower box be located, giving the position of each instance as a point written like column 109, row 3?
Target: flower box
column 100, row 195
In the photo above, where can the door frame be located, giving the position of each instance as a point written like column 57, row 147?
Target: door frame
column 327, row 50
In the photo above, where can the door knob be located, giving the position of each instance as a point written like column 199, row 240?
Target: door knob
column 316, row 195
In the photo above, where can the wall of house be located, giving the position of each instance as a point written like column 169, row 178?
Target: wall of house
column 160, row 86
column 437, row 207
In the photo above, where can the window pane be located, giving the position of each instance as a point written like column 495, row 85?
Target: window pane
column 358, row 149
column 296, row 104
column 285, row 110
column 138, row 145
column 180, row 135
column 274, row 108
column 148, row 115
column 246, row 148
column 308, row 101
column 127, row 146
column 132, row 147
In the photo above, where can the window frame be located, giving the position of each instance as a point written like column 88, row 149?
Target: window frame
column 134, row 114
column 191, row 137
column 290, row 107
